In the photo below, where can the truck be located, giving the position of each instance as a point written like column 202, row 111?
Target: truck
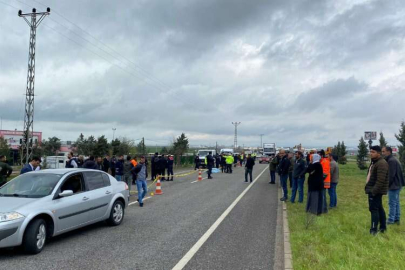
column 203, row 153
column 269, row 149
column 226, row 151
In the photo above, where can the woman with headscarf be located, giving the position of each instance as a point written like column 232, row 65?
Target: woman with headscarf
column 315, row 186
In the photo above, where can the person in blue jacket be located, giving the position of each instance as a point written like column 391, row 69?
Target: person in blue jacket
column 32, row 166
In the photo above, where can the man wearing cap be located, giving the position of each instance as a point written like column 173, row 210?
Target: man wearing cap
column 32, row 166
column 376, row 187
column 5, row 170
column 210, row 163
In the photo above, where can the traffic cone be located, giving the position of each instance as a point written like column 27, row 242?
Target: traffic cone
column 199, row 175
column 158, row 190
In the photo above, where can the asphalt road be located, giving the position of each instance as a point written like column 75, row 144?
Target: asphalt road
column 158, row 235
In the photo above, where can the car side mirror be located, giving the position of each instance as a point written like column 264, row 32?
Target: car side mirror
column 66, row 193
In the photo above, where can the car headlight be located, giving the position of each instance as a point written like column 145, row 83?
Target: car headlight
column 10, row 216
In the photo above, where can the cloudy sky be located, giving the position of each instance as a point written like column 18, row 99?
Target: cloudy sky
column 311, row 72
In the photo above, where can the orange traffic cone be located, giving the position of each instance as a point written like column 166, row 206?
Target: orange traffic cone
column 199, row 175
column 158, row 190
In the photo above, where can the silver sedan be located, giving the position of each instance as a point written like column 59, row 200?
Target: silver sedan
column 38, row 205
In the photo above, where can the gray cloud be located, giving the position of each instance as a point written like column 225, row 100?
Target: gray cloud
column 309, row 71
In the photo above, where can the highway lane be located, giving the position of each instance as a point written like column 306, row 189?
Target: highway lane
column 158, row 235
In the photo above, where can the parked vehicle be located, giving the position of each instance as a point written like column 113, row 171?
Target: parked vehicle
column 202, row 154
column 36, row 206
column 269, row 149
column 264, row 159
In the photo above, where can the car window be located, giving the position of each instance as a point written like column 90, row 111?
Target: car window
column 94, row 180
column 31, row 185
column 106, row 180
column 74, row 183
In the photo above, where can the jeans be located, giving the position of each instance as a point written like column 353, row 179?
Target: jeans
column 332, row 195
column 377, row 213
column 118, row 177
column 141, row 185
column 298, row 183
column 283, row 180
column 272, row 176
column 394, row 205
column 128, row 179
column 250, row 172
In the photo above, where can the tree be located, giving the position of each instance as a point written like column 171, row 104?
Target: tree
column 362, row 154
column 180, row 146
column 342, row 154
column 382, row 140
column 401, row 148
column 164, row 150
column 101, row 147
column 51, row 146
column 115, row 144
column 141, row 148
column 125, row 146
column 4, row 148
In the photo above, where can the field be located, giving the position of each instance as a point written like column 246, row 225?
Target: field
column 341, row 239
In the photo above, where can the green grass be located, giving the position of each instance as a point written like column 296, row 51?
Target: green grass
column 341, row 239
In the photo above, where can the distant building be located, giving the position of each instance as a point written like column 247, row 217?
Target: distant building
column 15, row 138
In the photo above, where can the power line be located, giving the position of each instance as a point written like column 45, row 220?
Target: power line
column 107, row 46
column 156, row 87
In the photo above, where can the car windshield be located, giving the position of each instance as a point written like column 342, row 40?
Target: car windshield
column 31, row 185
column 203, row 153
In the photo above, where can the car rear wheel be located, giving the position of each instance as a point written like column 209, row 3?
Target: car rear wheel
column 35, row 236
column 117, row 214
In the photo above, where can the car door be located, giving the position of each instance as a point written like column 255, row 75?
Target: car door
column 99, row 186
column 73, row 211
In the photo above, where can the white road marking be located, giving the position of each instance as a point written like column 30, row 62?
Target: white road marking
column 137, row 201
column 190, row 254
column 198, row 181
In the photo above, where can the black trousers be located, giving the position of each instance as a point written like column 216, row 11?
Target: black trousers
column 209, row 167
column 377, row 213
column 170, row 172
column 153, row 172
column 196, row 166
column 229, row 168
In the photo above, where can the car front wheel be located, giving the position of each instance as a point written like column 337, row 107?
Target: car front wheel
column 117, row 214
column 35, row 236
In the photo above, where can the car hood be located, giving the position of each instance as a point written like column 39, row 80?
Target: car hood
column 9, row 204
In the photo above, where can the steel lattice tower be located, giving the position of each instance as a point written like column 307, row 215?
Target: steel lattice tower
column 235, row 141
column 29, row 101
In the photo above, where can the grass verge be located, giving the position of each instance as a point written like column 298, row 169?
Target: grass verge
column 341, row 239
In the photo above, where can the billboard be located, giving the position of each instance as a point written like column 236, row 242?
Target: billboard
column 370, row 135
column 14, row 138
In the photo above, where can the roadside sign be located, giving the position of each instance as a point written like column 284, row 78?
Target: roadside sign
column 394, row 150
column 370, row 135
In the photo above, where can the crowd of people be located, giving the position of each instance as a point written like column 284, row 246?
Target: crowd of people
column 385, row 176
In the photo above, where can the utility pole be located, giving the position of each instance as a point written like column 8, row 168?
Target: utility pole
column 29, row 100
column 216, row 147
column 235, row 142
column 114, row 129
column 261, row 139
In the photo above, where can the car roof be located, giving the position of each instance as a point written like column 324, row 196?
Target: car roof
column 65, row 171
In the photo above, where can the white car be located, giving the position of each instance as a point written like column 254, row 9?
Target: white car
column 38, row 205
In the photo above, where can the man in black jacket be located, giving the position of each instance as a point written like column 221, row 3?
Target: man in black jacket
column 162, row 167
column 249, row 168
column 106, row 163
column 376, row 187
column 196, row 162
column 283, row 168
column 300, row 167
column 396, row 182
column 210, row 164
